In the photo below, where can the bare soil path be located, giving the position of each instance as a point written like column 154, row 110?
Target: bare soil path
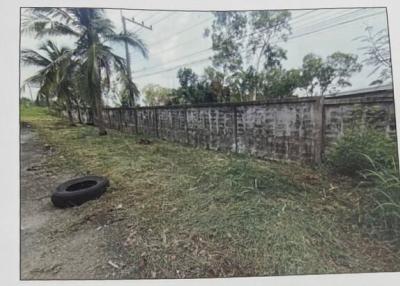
column 47, row 252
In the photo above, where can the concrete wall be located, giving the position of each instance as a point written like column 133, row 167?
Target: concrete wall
column 373, row 109
column 297, row 129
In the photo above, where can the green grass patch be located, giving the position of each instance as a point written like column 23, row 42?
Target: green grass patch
column 189, row 212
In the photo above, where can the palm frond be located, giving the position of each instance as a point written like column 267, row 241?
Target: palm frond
column 131, row 39
column 42, row 25
column 31, row 57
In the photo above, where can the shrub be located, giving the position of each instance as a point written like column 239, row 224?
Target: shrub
column 383, row 202
column 356, row 149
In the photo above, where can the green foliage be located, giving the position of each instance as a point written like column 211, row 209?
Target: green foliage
column 331, row 73
column 228, row 29
column 155, row 94
column 33, row 113
column 280, row 82
column 194, row 90
column 52, row 62
column 353, row 152
column 383, row 213
column 268, row 27
column 257, row 32
column 26, row 102
column 249, row 59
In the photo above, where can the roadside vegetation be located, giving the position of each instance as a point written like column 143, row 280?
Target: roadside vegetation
column 187, row 212
column 371, row 157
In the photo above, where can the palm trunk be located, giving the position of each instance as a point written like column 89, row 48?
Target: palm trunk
column 79, row 114
column 70, row 118
column 69, row 112
column 78, row 109
column 99, row 116
column 95, row 88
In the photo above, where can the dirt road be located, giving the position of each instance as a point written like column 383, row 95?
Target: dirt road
column 48, row 251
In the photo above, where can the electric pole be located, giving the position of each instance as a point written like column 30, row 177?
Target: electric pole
column 128, row 59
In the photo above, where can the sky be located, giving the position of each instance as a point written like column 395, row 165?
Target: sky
column 177, row 40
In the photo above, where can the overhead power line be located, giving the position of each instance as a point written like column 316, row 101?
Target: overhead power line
column 290, row 38
column 337, row 24
column 191, row 40
column 173, row 68
column 150, row 17
column 210, row 48
column 327, row 21
column 163, row 18
column 176, row 59
column 295, row 18
column 180, row 32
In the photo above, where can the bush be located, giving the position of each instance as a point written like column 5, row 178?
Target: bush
column 356, row 149
column 383, row 202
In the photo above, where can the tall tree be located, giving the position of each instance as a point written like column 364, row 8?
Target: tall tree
column 188, row 81
column 279, row 82
column 92, row 30
column 155, row 94
column 268, row 28
column 320, row 76
column 245, row 42
column 227, row 33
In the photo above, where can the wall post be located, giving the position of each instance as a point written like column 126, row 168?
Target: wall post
column 120, row 118
column 186, row 127
column 235, row 127
column 156, row 121
column 136, row 120
column 318, row 128
column 109, row 118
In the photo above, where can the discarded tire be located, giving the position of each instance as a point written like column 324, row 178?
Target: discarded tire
column 77, row 191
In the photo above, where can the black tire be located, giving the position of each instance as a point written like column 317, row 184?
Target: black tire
column 77, row 191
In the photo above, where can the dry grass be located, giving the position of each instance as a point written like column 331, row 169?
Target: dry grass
column 185, row 212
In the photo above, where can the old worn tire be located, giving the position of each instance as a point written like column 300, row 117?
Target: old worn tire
column 77, row 191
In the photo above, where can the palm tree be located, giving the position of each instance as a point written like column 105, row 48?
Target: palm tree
column 54, row 76
column 96, row 59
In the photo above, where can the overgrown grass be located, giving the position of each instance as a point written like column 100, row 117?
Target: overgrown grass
column 371, row 155
column 186, row 212
column 34, row 113
column 347, row 155
column 383, row 215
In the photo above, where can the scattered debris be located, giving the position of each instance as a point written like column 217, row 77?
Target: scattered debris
column 33, row 168
column 113, row 264
column 51, row 269
column 144, row 141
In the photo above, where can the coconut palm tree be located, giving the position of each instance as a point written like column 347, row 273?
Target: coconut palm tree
column 93, row 32
column 54, row 76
